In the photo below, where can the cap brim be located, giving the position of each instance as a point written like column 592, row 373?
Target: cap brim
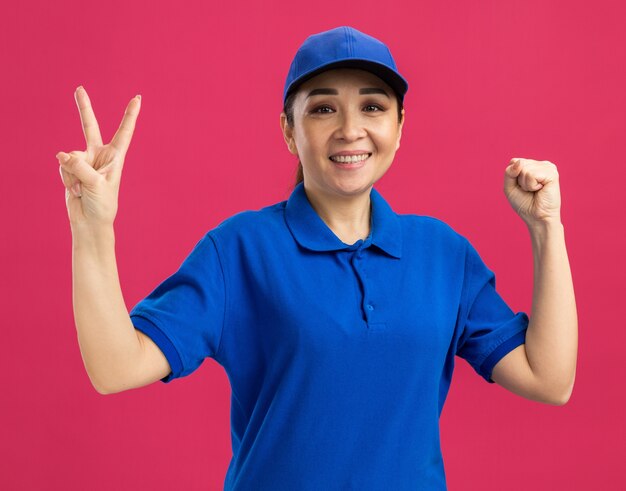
column 393, row 79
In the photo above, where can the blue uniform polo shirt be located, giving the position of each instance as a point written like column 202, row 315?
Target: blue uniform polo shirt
column 339, row 356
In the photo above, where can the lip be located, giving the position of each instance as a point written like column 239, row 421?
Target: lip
column 350, row 152
column 351, row 166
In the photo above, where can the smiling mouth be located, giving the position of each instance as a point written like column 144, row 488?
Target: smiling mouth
column 349, row 159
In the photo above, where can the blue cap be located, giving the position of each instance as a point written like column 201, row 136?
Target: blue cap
column 343, row 47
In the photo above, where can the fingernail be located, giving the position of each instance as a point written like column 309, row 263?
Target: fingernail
column 138, row 96
column 79, row 87
column 76, row 189
column 63, row 157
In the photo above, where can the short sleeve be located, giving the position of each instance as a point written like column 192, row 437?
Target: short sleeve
column 184, row 315
column 489, row 328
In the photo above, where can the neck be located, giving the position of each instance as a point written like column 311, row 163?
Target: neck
column 348, row 217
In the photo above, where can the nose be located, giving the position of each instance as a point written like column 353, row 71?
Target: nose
column 350, row 126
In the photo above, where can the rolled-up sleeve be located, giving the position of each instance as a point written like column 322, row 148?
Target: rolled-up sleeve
column 184, row 315
column 489, row 329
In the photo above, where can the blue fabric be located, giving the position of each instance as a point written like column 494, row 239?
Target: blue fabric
column 343, row 47
column 339, row 356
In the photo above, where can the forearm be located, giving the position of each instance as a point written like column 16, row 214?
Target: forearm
column 106, row 336
column 552, row 336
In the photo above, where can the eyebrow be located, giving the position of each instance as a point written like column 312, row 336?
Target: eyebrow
column 367, row 90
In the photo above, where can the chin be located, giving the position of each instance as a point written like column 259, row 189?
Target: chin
column 354, row 187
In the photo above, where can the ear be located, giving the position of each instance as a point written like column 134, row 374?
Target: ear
column 401, row 124
column 288, row 134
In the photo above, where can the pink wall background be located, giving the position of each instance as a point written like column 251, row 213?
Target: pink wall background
column 489, row 80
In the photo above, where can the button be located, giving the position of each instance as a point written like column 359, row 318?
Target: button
column 370, row 306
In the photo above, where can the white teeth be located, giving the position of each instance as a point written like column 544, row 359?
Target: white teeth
column 349, row 158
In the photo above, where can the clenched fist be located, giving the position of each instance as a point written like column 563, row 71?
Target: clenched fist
column 532, row 188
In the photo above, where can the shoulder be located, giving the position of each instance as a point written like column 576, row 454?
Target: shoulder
column 430, row 230
column 250, row 224
column 437, row 239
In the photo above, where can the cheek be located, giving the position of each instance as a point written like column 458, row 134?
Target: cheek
column 385, row 138
column 311, row 140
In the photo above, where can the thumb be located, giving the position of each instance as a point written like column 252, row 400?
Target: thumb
column 510, row 175
column 79, row 168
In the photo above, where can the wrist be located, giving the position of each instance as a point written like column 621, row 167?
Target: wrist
column 84, row 235
column 545, row 225
column 546, row 232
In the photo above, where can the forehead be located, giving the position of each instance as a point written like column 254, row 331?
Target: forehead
column 345, row 78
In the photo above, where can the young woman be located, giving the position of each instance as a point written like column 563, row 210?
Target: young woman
column 336, row 319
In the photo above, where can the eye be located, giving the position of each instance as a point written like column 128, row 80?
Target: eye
column 327, row 109
column 319, row 109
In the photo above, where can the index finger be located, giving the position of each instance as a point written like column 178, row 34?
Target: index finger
column 124, row 133
column 88, row 118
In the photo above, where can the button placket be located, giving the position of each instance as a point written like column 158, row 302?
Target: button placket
column 366, row 306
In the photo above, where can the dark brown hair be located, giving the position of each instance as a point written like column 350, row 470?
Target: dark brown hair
column 288, row 110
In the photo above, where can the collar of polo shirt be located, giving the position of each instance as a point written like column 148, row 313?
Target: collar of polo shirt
column 311, row 232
